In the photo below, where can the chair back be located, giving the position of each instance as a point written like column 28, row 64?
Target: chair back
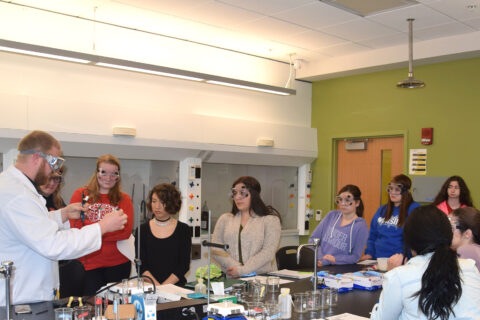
column 287, row 258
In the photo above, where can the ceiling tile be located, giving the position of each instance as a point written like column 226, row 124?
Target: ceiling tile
column 316, row 15
column 342, row 49
column 313, row 40
column 474, row 23
column 219, row 14
column 458, row 9
column 358, row 30
column 441, row 31
column 383, row 42
column 424, row 17
column 267, row 7
column 173, row 7
column 269, row 28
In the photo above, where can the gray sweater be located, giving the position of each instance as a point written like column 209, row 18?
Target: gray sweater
column 260, row 239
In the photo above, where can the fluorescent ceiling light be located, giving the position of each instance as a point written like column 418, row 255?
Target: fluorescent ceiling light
column 79, row 57
column 43, row 55
column 158, row 73
column 246, row 87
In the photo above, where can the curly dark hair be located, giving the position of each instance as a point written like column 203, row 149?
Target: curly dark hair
column 465, row 197
column 168, row 195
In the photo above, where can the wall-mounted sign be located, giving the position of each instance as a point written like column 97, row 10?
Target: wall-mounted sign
column 418, row 162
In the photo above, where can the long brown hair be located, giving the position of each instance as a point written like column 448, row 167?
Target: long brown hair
column 114, row 194
column 465, row 197
column 407, row 199
column 256, row 203
column 57, row 199
column 468, row 218
column 357, row 194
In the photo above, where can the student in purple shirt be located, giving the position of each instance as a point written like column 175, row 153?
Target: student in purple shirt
column 466, row 233
column 343, row 233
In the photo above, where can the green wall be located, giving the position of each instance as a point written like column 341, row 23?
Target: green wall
column 371, row 104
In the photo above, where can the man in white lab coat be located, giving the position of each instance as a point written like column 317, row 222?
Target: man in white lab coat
column 34, row 238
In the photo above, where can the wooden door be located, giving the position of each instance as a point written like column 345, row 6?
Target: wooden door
column 370, row 169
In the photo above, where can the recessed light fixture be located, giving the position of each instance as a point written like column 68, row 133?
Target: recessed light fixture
column 127, row 65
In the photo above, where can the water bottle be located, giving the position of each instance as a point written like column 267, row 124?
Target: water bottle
column 285, row 303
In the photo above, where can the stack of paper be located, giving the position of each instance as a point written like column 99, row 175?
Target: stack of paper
column 172, row 292
column 291, row 274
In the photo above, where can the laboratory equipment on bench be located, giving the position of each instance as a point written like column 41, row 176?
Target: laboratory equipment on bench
column 6, row 270
column 315, row 244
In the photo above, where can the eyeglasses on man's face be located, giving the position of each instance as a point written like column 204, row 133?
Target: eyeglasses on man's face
column 55, row 163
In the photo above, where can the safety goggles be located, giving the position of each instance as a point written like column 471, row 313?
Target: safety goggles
column 239, row 194
column 395, row 188
column 112, row 175
column 55, row 163
column 347, row 201
column 56, row 179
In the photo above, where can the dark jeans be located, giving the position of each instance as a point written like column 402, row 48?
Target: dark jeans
column 97, row 278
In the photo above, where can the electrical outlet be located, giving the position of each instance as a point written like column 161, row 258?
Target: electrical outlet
column 318, row 214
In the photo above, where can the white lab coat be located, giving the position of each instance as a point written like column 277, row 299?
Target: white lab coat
column 34, row 239
column 401, row 283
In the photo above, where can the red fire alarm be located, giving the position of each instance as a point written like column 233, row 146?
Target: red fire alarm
column 427, row 136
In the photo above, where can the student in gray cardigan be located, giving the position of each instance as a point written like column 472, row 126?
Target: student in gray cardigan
column 252, row 230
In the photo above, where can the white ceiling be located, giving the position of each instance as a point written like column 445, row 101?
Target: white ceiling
column 309, row 30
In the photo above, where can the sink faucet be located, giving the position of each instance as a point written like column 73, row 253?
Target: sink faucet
column 315, row 244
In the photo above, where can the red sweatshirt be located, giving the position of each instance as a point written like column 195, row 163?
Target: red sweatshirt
column 108, row 255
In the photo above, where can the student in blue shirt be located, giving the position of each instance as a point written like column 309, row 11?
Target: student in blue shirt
column 386, row 228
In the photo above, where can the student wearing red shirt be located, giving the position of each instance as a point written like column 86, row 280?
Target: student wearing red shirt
column 454, row 194
column 104, row 196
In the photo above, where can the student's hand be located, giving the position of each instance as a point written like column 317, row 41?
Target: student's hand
column 319, row 263
column 233, row 272
column 330, row 258
column 365, row 257
column 72, row 211
column 395, row 261
column 113, row 221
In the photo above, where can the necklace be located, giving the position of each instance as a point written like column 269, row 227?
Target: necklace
column 162, row 223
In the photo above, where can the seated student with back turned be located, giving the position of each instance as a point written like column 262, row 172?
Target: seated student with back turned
column 386, row 228
column 466, row 233
column 165, row 242
column 434, row 284
column 252, row 231
column 453, row 194
column 343, row 233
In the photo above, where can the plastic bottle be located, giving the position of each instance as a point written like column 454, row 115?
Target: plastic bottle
column 204, row 217
column 200, row 287
column 285, row 303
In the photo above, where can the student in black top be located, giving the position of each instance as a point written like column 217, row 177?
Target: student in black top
column 165, row 242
